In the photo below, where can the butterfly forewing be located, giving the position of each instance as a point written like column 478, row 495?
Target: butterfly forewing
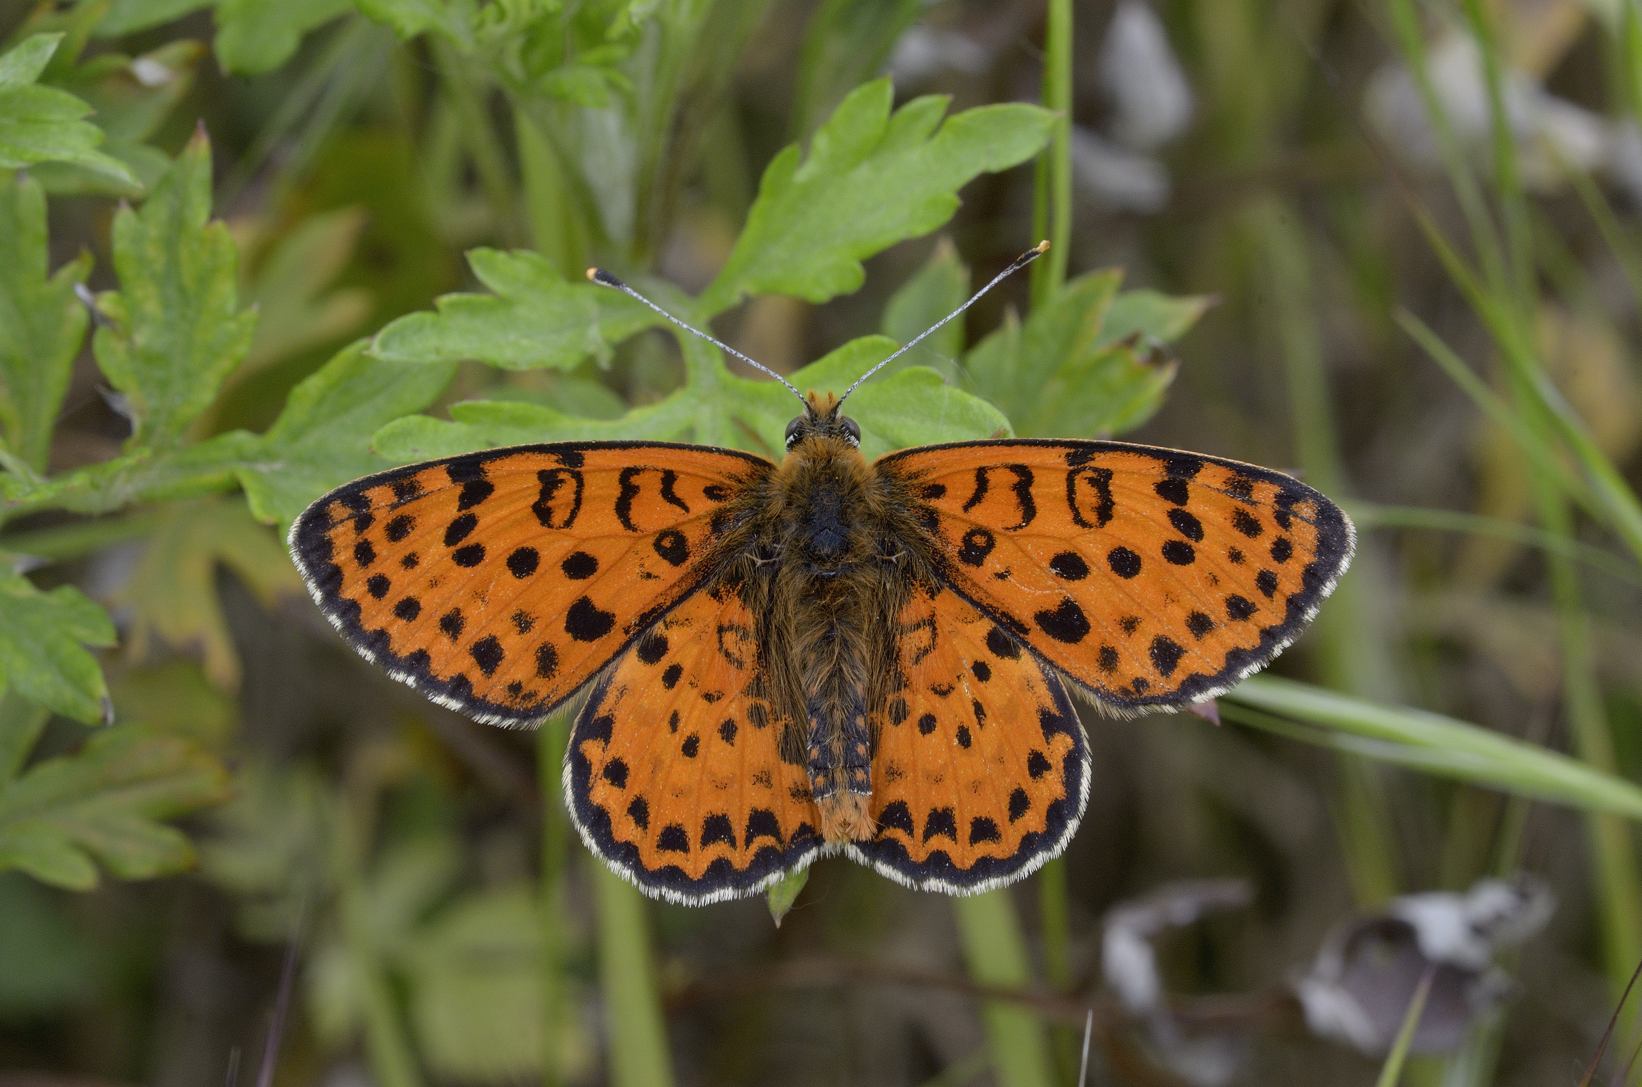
column 1150, row 576
column 980, row 771
column 675, row 772
column 500, row 582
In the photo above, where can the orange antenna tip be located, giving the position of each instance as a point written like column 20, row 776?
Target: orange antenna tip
column 1042, row 247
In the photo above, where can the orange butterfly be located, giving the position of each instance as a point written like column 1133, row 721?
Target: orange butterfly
column 823, row 655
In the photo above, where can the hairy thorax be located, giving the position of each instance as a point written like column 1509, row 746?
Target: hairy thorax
column 825, row 567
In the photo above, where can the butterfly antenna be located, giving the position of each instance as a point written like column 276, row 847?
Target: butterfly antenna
column 1019, row 262
column 605, row 279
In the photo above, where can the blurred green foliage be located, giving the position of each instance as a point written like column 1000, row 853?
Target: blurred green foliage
column 204, row 326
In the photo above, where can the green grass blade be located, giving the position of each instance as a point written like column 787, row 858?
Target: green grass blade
column 1392, row 1070
column 636, row 1038
column 1430, row 742
column 550, row 742
column 995, row 950
column 1529, row 440
column 1368, row 516
column 1052, row 220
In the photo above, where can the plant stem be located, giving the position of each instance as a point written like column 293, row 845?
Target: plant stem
column 995, row 951
column 635, row 1033
column 550, row 741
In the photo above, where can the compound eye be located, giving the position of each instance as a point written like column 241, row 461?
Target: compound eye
column 852, row 430
column 792, row 431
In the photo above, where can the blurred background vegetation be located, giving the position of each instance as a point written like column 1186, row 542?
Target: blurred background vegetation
column 1390, row 245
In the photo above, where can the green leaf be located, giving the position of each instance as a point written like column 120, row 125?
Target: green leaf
column 174, row 329
column 909, row 407
column 1059, row 375
column 934, row 291
column 172, row 592
column 21, row 723
column 534, row 319
column 104, row 804
column 1152, row 316
column 490, row 424
column 51, row 968
column 130, row 97
column 28, row 59
column 126, row 16
column 293, row 288
column 143, row 475
column 323, row 437
column 43, row 124
column 781, row 895
column 42, row 324
column 475, row 980
column 450, row 19
column 260, row 35
column 870, row 180
column 846, row 43
column 268, row 844
column 42, row 647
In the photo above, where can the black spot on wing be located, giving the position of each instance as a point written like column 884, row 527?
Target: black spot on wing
column 587, row 622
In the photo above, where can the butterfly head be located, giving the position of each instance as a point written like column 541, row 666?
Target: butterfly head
column 822, row 419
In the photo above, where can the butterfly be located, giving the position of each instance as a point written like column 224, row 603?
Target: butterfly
column 823, row 655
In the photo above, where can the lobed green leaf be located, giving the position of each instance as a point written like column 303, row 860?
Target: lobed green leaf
column 491, row 424
column 323, row 437
column 1151, row 315
column 130, row 97
column 127, row 16
column 42, row 324
column 411, row 18
column 104, row 805
column 534, row 319
column 909, row 407
column 174, row 330
column 935, row 290
column 871, row 179
column 43, row 124
column 260, row 35
column 475, row 980
column 42, row 647
column 1066, row 372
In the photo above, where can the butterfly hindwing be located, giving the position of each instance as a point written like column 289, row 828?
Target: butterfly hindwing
column 675, row 773
column 980, row 768
column 500, row 582
column 1151, row 577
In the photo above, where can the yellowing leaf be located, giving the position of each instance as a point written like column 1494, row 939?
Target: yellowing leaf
column 173, row 593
